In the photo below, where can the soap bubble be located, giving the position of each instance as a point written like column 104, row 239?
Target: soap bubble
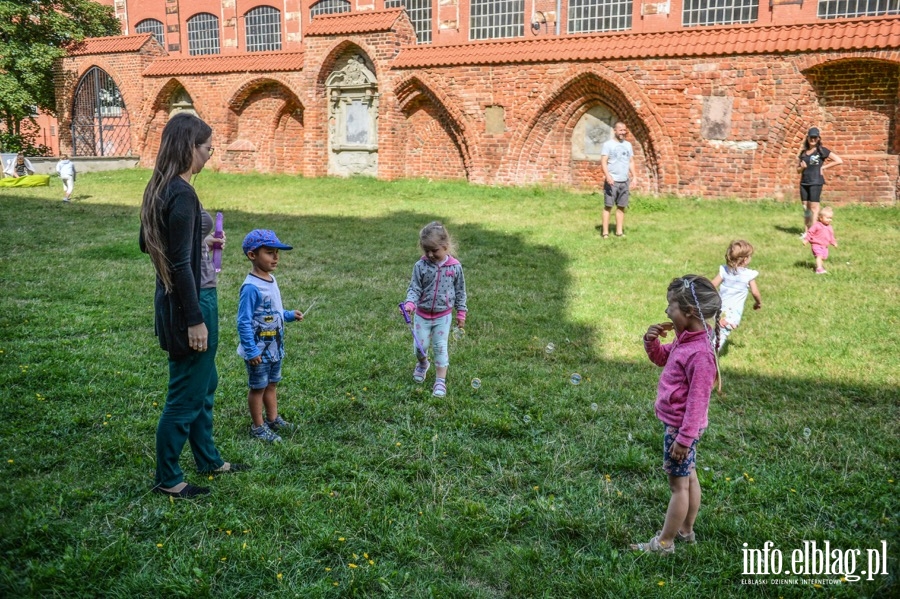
column 550, row 348
column 806, row 433
column 476, row 383
column 458, row 333
column 575, row 379
column 595, row 407
column 630, row 438
column 526, row 418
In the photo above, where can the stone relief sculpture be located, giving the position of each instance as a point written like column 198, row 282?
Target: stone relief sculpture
column 353, row 119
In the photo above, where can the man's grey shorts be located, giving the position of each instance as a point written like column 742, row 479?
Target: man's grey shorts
column 616, row 194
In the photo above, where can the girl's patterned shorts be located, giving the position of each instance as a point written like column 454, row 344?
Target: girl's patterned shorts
column 672, row 466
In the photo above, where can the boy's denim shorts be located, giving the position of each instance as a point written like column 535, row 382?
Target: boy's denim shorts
column 263, row 373
column 672, row 466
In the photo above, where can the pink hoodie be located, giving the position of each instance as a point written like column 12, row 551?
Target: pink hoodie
column 689, row 371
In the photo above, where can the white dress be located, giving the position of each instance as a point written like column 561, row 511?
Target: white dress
column 733, row 291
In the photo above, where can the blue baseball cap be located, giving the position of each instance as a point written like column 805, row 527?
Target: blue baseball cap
column 258, row 238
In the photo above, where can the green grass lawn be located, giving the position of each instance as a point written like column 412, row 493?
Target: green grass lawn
column 528, row 486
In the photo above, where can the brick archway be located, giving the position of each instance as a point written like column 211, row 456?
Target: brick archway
column 852, row 100
column 545, row 142
column 265, row 129
column 435, row 133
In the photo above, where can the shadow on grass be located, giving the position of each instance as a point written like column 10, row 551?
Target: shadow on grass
column 506, row 479
column 790, row 230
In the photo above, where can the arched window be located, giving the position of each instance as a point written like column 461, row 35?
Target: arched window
column 203, row 34
column 719, row 12
column 489, row 19
column 100, row 123
column 586, row 16
column 328, row 7
column 152, row 26
column 419, row 12
column 263, row 25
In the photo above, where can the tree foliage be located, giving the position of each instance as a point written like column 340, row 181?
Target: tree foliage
column 33, row 34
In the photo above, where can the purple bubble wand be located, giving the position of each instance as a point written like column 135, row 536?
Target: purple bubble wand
column 421, row 352
column 216, row 246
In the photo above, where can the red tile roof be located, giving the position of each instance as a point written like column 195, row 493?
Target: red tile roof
column 227, row 63
column 107, row 45
column 354, row 22
column 861, row 34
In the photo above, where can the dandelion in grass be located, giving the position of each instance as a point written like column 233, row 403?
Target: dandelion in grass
column 536, row 488
column 159, row 545
column 224, row 559
column 328, row 569
column 371, row 562
column 228, row 532
column 10, row 461
column 661, row 583
column 279, row 576
column 793, row 490
column 550, row 348
column 608, row 478
column 366, row 555
column 155, row 404
column 335, row 583
column 244, row 546
column 806, row 433
column 575, row 379
column 210, row 477
column 352, row 565
column 476, row 384
column 398, row 444
column 341, row 539
column 727, row 478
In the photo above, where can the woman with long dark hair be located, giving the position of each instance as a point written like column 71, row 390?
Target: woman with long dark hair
column 186, row 311
column 814, row 160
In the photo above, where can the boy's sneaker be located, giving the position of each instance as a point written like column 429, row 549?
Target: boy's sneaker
column 264, row 433
column 821, row 271
column 420, row 371
column 280, row 424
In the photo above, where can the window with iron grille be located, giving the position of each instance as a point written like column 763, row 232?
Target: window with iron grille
column 203, row 34
column 263, row 25
column 719, row 12
column 489, row 19
column 586, row 16
column 835, row 9
column 329, row 7
column 152, row 26
column 419, row 12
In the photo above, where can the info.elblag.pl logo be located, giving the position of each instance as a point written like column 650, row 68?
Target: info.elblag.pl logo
column 814, row 559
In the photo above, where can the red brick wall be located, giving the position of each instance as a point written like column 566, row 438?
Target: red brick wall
column 432, row 121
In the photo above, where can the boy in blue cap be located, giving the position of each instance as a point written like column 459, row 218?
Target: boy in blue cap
column 260, row 323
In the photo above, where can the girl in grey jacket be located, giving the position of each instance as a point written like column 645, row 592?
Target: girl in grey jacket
column 437, row 288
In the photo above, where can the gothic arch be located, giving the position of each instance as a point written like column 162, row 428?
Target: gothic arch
column 416, row 94
column 866, row 115
column 100, row 116
column 157, row 112
column 264, row 130
column 560, row 110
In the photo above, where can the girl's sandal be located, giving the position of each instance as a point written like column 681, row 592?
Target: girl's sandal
column 654, row 545
column 420, row 371
column 686, row 538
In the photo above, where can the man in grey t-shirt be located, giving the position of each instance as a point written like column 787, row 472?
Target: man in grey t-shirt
column 617, row 162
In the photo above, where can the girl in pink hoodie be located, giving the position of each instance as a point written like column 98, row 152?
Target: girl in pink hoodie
column 690, row 368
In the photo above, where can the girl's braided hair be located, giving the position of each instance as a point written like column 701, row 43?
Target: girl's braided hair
column 697, row 296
